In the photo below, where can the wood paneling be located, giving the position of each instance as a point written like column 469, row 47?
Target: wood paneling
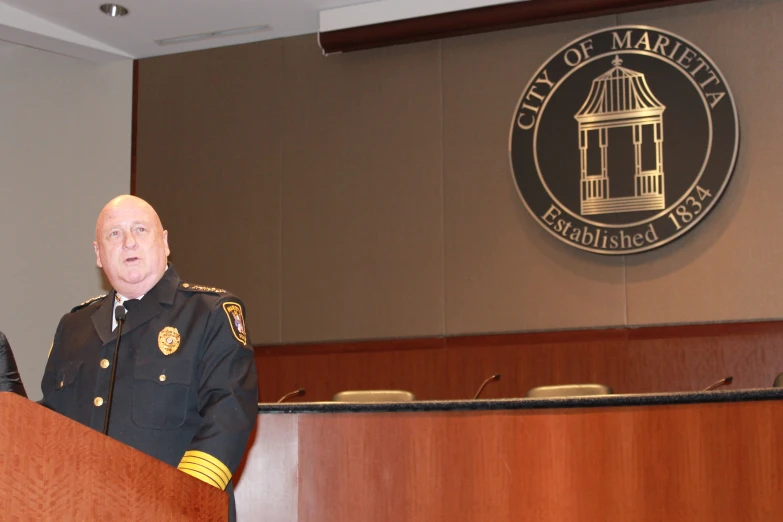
column 323, row 374
column 643, row 360
column 642, row 463
column 528, row 360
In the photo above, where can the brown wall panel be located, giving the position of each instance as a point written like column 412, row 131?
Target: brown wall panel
column 693, row 357
column 323, row 370
column 645, row 360
column 727, row 268
column 208, row 159
column 528, row 360
column 362, row 188
column 369, row 196
column 503, row 272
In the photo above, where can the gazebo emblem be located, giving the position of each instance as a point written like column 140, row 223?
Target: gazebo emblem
column 586, row 144
column 620, row 98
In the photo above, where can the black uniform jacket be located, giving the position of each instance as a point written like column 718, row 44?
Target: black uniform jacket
column 10, row 380
column 186, row 389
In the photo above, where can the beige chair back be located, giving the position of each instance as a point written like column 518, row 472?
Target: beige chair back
column 568, row 390
column 374, row 396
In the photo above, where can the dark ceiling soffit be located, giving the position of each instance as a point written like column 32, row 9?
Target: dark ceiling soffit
column 479, row 20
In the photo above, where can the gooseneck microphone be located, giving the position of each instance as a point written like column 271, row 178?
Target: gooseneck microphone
column 723, row 382
column 119, row 314
column 495, row 377
column 296, row 393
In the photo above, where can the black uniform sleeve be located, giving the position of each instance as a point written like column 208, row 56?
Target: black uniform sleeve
column 49, row 380
column 10, row 380
column 228, row 397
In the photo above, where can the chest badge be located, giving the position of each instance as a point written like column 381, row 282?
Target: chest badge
column 168, row 340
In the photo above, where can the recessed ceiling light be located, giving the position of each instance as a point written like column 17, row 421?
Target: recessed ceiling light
column 114, row 10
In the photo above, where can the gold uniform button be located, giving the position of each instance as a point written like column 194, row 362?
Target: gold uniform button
column 98, row 401
column 62, row 383
column 162, row 378
column 104, row 363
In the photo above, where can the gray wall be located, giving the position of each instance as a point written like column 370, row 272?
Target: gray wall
column 369, row 195
column 65, row 128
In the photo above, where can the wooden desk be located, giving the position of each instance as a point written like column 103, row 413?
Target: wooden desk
column 686, row 457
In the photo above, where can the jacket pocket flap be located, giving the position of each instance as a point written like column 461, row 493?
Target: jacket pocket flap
column 164, row 372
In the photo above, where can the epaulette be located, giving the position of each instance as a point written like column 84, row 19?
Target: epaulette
column 87, row 302
column 199, row 288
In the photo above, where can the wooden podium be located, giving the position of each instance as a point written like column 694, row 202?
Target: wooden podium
column 56, row 469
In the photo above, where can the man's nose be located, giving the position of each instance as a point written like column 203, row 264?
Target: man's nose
column 129, row 240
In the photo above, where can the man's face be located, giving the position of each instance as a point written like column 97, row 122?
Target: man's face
column 131, row 246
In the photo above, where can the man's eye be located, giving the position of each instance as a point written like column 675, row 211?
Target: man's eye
column 114, row 233
column 141, row 229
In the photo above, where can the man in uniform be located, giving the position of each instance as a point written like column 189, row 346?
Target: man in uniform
column 186, row 389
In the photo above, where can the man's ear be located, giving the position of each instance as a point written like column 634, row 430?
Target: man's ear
column 97, row 254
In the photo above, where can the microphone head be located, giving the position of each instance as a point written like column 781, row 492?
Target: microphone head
column 729, row 380
column 491, row 378
column 296, row 393
column 119, row 313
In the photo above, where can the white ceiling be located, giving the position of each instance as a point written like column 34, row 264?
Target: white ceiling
column 78, row 28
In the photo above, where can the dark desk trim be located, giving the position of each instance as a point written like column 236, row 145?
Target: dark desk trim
column 654, row 399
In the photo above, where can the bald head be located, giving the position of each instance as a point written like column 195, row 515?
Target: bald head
column 130, row 245
column 126, row 202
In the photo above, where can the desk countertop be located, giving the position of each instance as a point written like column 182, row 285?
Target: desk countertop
column 652, row 399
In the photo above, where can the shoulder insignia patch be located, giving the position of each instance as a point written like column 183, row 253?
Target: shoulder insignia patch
column 87, row 302
column 236, row 320
column 199, row 288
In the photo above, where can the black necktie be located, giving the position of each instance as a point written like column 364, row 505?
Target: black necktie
column 129, row 304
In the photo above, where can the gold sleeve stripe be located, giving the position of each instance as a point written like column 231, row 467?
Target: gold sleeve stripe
column 207, row 465
column 197, row 466
column 200, row 476
column 204, row 471
column 210, row 461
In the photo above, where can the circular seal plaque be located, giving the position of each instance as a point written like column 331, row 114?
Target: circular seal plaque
column 624, row 140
